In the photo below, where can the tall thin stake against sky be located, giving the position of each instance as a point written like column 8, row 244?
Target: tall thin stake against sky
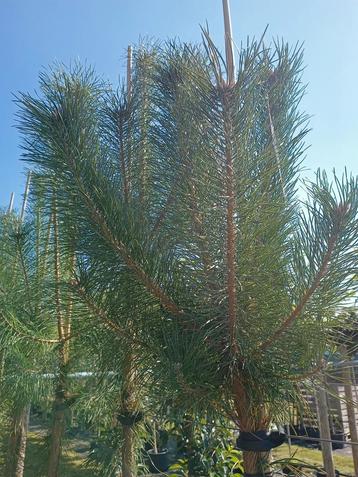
column 129, row 72
column 11, row 203
column 229, row 44
column 26, row 194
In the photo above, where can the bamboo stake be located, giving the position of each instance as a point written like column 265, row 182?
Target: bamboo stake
column 128, row 393
column 129, row 72
column 128, row 172
column 229, row 44
column 11, row 203
column 26, row 195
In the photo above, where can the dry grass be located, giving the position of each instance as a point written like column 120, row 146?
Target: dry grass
column 343, row 463
column 71, row 462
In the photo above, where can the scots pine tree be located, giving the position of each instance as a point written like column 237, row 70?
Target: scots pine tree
column 182, row 197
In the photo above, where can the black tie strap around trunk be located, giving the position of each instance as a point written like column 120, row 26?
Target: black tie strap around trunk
column 129, row 418
column 259, row 441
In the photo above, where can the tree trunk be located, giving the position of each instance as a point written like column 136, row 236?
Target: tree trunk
column 128, row 453
column 57, row 431
column 15, row 459
column 256, row 463
column 59, row 416
column 251, row 420
column 128, row 405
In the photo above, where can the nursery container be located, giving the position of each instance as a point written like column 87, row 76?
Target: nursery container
column 158, row 461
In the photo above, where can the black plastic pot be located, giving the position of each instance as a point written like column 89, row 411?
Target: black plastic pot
column 296, row 430
column 339, row 436
column 158, row 461
column 311, row 432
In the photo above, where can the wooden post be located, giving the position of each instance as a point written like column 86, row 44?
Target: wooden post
column 11, row 203
column 229, row 44
column 289, row 440
column 348, row 391
column 323, row 419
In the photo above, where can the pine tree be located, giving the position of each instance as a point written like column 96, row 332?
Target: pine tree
column 185, row 200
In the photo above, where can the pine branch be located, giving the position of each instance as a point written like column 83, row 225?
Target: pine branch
column 122, row 250
column 163, row 213
column 309, row 374
column 27, row 335
column 198, row 220
column 100, row 313
column 321, row 273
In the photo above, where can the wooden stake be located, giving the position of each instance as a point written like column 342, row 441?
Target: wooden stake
column 229, row 44
column 11, row 203
column 323, row 419
column 289, row 440
column 26, row 195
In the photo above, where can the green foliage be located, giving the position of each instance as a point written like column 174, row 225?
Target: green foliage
column 142, row 184
column 205, row 447
column 200, row 281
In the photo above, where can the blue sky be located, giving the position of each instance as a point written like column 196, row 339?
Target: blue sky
column 35, row 33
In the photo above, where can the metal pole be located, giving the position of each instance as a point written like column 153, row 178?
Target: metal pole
column 229, row 44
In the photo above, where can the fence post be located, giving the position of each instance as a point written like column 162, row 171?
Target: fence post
column 323, row 420
column 348, row 391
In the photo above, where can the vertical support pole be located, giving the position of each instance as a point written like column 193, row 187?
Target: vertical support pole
column 348, row 391
column 26, row 195
column 11, row 203
column 229, row 44
column 289, row 440
column 323, row 419
column 129, row 72
column 127, row 169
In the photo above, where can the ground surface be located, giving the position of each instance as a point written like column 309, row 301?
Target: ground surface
column 342, row 458
column 76, row 452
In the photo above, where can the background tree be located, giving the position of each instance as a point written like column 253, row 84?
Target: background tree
column 25, row 352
